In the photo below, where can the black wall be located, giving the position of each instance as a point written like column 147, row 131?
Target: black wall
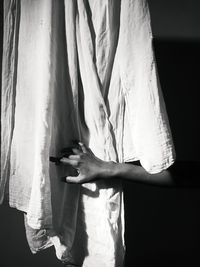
column 175, row 19
column 162, row 224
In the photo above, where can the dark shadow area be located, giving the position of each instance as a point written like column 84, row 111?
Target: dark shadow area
column 178, row 66
column 162, row 224
column 14, row 247
column 175, row 18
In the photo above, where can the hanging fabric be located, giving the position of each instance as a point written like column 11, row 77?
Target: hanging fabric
column 78, row 70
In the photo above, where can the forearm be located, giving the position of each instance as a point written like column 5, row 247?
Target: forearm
column 91, row 168
column 139, row 174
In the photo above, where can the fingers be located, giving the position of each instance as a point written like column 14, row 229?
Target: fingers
column 75, row 157
column 83, row 147
column 74, row 179
column 72, row 162
column 72, row 155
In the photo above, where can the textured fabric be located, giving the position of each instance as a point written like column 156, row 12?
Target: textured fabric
column 10, row 39
column 83, row 70
column 39, row 101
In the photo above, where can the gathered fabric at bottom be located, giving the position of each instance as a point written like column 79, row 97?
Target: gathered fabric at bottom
column 98, row 239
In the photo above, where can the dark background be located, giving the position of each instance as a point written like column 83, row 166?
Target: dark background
column 162, row 224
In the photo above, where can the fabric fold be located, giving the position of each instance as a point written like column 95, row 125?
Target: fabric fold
column 9, row 75
column 146, row 111
column 78, row 70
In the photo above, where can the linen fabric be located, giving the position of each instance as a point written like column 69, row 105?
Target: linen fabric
column 81, row 70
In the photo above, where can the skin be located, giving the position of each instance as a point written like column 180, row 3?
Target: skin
column 91, row 168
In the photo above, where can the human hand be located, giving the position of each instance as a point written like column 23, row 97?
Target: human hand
column 88, row 166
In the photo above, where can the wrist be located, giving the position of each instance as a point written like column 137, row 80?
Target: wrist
column 109, row 169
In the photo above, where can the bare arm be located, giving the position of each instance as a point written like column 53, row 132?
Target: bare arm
column 139, row 174
column 91, row 168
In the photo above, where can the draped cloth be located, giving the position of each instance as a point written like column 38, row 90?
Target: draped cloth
column 84, row 70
